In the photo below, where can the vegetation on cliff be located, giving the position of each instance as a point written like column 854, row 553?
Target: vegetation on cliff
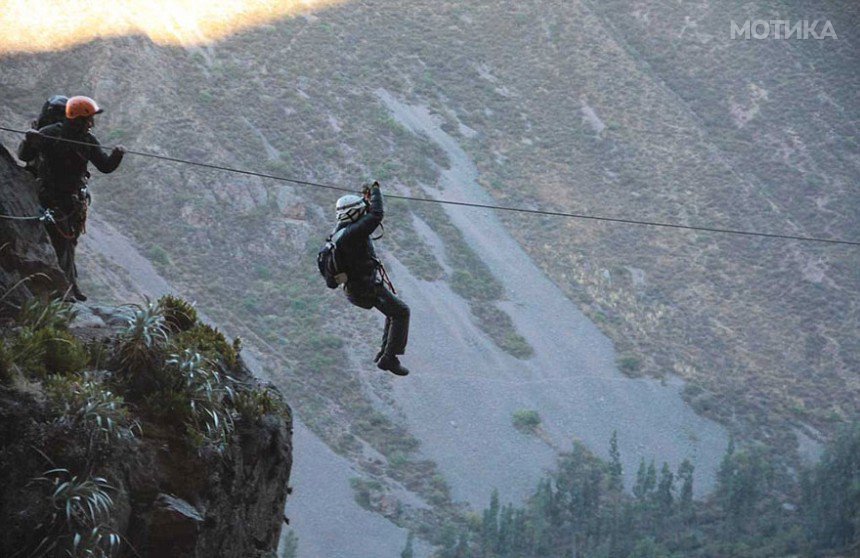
column 88, row 412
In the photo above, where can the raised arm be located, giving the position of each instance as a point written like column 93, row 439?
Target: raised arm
column 368, row 222
column 96, row 155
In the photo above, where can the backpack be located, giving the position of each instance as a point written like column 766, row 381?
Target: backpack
column 53, row 111
column 327, row 262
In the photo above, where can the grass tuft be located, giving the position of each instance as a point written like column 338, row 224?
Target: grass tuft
column 179, row 315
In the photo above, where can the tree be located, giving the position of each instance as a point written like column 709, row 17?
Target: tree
column 665, row 496
column 290, row 545
column 651, row 478
column 507, row 538
column 490, row 524
column 639, row 489
column 616, row 482
column 685, row 501
column 408, row 551
column 831, row 494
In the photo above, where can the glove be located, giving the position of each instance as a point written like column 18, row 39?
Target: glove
column 33, row 136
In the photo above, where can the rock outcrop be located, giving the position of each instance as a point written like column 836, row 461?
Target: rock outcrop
column 81, row 419
column 28, row 264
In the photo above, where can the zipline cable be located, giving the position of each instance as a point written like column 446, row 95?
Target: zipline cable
column 475, row 205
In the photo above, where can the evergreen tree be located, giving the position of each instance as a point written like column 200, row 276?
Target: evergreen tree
column 685, row 501
column 506, row 540
column 408, row 551
column 726, row 470
column 650, row 478
column 665, row 489
column 462, row 549
column 616, row 481
column 290, row 545
column 640, row 488
column 490, row 524
column 831, row 494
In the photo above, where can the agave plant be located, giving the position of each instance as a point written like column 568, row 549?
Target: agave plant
column 81, row 507
column 86, row 400
column 98, row 542
column 144, row 335
column 207, row 394
column 79, row 501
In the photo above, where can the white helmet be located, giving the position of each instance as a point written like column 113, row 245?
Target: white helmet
column 350, row 207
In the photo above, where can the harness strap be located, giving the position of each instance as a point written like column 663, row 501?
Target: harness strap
column 385, row 278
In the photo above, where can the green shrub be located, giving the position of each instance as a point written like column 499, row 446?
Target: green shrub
column 80, row 509
column 99, row 354
column 526, row 421
column 38, row 313
column 179, row 315
column 87, row 401
column 253, row 403
column 209, row 342
column 167, row 404
column 64, row 353
column 159, row 255
column 192, row 392
column 475, row 288
column 144, row 338
column 499, row 326
column 5, row 364
column 629, row 365
column 48, row 351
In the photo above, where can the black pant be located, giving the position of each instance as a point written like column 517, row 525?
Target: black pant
column 396, row 332
column 65, row 242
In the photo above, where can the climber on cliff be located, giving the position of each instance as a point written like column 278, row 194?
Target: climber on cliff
column 367, row 283
column 62, row 176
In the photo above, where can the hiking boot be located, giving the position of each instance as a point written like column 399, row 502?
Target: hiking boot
column 76, row 292
column 392, row 364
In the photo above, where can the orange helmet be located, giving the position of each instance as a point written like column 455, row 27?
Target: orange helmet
column 81, row 107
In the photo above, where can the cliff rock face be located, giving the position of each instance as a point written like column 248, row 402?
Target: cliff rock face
column 28, row 264
column 168, row 499
column 103, row 432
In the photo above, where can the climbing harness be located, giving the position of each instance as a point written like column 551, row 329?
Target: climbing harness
column 386, row 280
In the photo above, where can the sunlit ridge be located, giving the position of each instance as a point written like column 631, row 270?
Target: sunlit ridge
column 48, row 25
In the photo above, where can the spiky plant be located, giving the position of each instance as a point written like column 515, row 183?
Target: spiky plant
column 210, row 419
column 144, row 336
column 38, row 313
column 80, row 511
column 179, row 314
column 86, row 400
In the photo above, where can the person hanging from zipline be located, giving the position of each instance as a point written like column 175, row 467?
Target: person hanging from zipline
column 62, row 176
column 349, row 258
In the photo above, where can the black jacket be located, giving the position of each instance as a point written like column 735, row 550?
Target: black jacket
column 62, row 166
column 355, row 248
